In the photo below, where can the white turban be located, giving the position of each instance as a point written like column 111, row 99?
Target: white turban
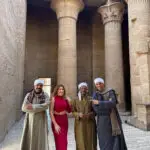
column 98, row 80
column 79, row 86
column 38, row 81
column 82, row 84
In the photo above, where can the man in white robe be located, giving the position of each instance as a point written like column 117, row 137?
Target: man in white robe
column 35, row 132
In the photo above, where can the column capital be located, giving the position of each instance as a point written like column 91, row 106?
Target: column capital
column 112, row 11
column 67, row 8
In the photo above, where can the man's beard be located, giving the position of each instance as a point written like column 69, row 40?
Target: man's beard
column 100, row 89
column 38, row 91
column 84, row 94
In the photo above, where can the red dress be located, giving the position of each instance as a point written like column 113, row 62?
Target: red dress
column 61, row 104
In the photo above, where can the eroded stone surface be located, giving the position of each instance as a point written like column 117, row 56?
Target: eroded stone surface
column 12, row 40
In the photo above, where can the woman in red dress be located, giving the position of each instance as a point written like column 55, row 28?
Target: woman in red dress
column 58, row 111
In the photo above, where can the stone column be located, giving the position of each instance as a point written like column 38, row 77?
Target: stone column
column 112, row 14
column 67, row 13
column 139, row 42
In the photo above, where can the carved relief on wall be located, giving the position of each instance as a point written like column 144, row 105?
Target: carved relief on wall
column 143, row 44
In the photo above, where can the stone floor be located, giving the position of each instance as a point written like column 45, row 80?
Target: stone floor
column 136, row 139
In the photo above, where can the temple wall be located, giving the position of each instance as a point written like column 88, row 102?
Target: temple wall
column 139, row 41
column 12, row 39
column 41, row 46
column 84, row 52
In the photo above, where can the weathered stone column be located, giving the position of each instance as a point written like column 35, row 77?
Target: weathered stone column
column 139, row 42
column 67, row 14
column 112, row 14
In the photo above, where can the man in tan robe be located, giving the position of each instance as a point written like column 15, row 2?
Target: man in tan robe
column 35, row 131
column 85, row 124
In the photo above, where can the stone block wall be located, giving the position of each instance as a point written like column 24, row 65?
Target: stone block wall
column 139, row 37
column 12, row 44
column 41, row 46
column 139, row 52
column 84, row 52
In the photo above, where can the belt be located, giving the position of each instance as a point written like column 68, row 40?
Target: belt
column 60, row 113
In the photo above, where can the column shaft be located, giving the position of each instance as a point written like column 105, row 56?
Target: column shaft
column 112, row 14
column 113, row 60
column 67, row 14
column 67, row 55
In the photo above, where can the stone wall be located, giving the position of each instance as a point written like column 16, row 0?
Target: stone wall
column 42, row 47
column 139, row 39
column 12, row 39
column 84, row 50
column 139, row 55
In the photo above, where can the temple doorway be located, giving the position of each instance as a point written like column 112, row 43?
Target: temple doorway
column 47, row 85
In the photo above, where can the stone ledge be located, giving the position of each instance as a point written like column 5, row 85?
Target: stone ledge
column 142, row 119
column 133, row 121
column 147, row 105
column 125, row 113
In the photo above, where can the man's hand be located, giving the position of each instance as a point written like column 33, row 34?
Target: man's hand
column 95, row 102
column 90, row 115
column 29, row 106
column 81, row 115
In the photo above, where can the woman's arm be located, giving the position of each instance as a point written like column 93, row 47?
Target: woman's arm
column 56, row 126
column 69, row 108
column 52, row 111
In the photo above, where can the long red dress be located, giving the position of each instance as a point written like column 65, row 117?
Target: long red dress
column 60, row 105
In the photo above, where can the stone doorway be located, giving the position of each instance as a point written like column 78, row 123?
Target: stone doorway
column 126, row 62
column 47, row 85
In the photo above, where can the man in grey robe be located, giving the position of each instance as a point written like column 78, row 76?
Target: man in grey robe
column 109, row 126
column 35, row 131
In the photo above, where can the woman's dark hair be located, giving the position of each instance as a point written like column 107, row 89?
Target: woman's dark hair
column 56, row 90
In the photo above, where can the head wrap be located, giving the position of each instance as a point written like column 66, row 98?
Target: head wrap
column 38, row 81
column 79, row 86
column 82, row 84
column 98, row 80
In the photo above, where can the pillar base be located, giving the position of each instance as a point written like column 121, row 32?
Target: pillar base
column 142, row 120
column 121, row 108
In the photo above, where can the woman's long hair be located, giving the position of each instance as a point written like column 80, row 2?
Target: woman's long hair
column 55, row 92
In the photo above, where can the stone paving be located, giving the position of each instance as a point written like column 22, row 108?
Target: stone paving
column 136, row 139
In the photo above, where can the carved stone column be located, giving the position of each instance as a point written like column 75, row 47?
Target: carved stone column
column 112, row 14
column 139, row 43
column 67, row 14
